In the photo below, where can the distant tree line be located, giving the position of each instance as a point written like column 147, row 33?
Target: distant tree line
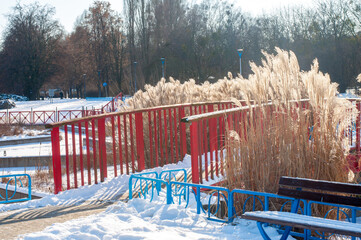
column 198, row 40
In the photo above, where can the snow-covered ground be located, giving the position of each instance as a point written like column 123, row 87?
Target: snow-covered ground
column 141, row 219
column 61, row 104
column 137, row 219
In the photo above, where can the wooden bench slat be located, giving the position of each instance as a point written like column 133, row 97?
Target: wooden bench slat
column 320, row 197
column 321, row 185
column 305, row 222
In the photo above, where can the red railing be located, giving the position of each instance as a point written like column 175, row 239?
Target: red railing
column 44, row 117
column 113, row 105
column 121, row 142
column 207, row 133
column 88, row 150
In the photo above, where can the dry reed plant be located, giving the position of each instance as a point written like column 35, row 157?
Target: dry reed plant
column 174, row 92
column 289, row 137
column 10, row 130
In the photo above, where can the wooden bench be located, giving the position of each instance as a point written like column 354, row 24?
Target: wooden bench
column 312, row 190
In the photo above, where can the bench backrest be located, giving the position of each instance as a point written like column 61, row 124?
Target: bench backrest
column 321, row 191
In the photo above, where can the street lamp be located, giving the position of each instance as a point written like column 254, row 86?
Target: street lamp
column 84, row 76
column 240, row 51
column 163, row 60
column 135, row 77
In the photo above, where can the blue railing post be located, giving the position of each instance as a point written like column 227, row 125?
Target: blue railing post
column 198, row 197
column 130, row 187
column 16, row 177
column 230, row 207
column 169, row 193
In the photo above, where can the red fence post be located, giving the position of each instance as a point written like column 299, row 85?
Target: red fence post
column 55, row 142
column 357, row 129
column 140, row 140
column 67, row 157
column 87, row 150
column 171, row 134
column 126, row 143
column 176, row 120
column 81, row 154
column 114, row 148
column 183, row 132
column 212, row 141
column 161, row 162
column 94, row 153
column 166, row 135
column 102, row 149
column 156, row 139
column 131, row 141
column 150, row 139
column 120, row 146
column 75, row 172
column 194, row 151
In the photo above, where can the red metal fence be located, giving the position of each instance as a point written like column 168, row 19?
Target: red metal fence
column 113, row 105
column 48, row 117
column 207, row 133
column 96, row 147
column 89, row 149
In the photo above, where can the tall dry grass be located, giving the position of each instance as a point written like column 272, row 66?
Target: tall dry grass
column 289, row 138
column 175, row 92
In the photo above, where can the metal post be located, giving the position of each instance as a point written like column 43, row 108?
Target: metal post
column 140, row 141
column 240, row 51
column 102, row 149
column 135, row 77
column 194, row 151
column 56, row 159
column 163, row 60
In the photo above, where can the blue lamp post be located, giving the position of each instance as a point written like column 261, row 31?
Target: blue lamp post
column 135, row 77
column 163, row 60
column 240, row 51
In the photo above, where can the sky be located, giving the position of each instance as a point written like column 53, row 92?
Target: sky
column 67, row 11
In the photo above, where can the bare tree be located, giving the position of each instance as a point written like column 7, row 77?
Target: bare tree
column 30, row 49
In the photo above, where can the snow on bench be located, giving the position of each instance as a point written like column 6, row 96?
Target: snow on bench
column 315, row 191
column 306, row 222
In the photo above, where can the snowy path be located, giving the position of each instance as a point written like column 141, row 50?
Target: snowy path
column 23, row 222
column 141, row 219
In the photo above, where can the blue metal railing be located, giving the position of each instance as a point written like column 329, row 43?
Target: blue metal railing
column 349, row 212
column 152, row 181
column 169, row 175
column 214, row 197
column 14, row 182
